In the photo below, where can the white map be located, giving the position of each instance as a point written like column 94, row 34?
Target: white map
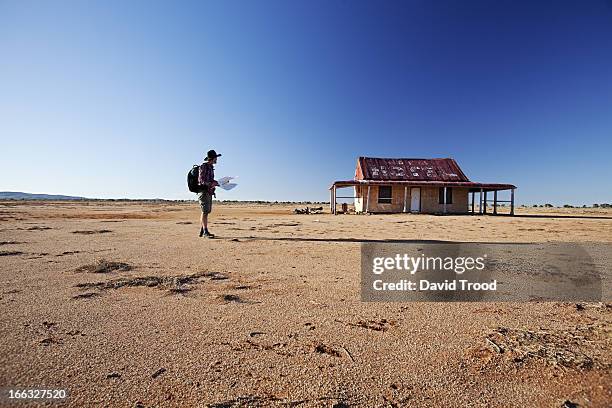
column 224, row 182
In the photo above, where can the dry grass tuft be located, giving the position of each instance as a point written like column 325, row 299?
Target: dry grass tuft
column 174, row 284
column 10, row 243
column 324, row 349
column 578, row 348
column 104, row 266
column 90, row 232
column 10, row 253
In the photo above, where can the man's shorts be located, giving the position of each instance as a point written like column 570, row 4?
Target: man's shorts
column 205, row 199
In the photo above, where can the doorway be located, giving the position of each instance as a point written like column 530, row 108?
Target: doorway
column 415, row 199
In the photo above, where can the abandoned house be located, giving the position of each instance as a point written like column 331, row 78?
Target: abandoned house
column 429, row 186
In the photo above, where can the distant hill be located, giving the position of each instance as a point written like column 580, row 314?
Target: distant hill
column 16, row 195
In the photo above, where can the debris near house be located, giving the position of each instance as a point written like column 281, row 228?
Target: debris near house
column 308, row 210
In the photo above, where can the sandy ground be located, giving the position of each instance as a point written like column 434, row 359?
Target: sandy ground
column 268, row 313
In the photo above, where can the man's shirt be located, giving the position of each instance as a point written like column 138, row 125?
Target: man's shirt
column 207, row 176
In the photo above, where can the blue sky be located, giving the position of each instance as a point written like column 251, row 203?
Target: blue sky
column 119, row 98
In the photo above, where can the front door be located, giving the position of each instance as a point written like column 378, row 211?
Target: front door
column 415, row 199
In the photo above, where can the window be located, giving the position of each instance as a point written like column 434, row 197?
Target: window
column 449, row 195
column 384, row 194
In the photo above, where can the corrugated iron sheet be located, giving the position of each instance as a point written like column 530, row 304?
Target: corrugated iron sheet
column 445, row 170
column 473, row 186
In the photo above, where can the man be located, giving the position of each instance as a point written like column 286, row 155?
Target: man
column 208, row 183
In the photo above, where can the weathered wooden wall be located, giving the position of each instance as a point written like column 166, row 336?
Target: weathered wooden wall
column 429, row 201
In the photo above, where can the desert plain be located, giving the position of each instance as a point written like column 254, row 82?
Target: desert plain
column 121, row 304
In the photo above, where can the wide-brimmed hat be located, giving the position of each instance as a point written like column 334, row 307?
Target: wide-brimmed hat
column 211, row 155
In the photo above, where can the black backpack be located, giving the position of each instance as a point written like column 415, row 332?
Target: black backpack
column 192, row 179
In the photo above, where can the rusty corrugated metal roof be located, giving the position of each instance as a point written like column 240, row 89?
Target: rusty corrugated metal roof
column 473, row 186
column 444, row 170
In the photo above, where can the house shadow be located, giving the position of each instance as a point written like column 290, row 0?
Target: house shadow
column 372, row 241
column 551, row 216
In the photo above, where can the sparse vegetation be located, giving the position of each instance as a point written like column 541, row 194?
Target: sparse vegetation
column 178, row 284
column 104, row 266
column 10, row 242
column 570, row 348
column 90, row 232
column 10, row 253
column 548, row 205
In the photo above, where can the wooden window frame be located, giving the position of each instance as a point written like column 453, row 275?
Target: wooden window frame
column 385, row 200
column 449, row 195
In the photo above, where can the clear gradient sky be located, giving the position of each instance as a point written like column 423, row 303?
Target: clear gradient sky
column 116, row 99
